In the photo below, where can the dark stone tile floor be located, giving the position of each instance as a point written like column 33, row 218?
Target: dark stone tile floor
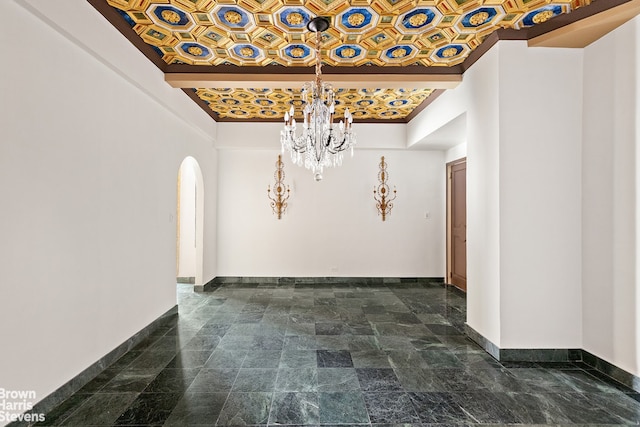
column 334, row 355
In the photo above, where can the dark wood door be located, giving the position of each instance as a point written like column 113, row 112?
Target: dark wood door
column 457, row 224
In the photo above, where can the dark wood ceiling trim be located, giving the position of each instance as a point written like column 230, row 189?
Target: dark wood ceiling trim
column 125, row 29
column 424, row 104
column 191, row 93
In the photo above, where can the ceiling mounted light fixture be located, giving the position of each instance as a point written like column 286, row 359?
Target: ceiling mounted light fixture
column 322, row 142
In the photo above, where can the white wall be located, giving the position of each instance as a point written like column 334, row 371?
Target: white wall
column 523, row 192
column 477, row 95
column 540, row 196
column 331, row 228
column 456, row 152
column 610, row 197
column 88, row 168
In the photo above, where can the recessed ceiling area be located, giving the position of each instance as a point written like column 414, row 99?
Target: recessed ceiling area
column 447, row 136
column 247, row 60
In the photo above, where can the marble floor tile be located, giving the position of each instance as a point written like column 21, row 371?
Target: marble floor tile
column 128, row 381
column 100, row 409
column 342, row 408
column 334, row 359
column 390, row 408
column 297, row 379
column 293, row 408
column 214, row 380
column 337, row 379
column 246, row 409
column 149, row 409
column 187, row 359
column 370, row 359
column 309, row 354
column 262, row 359
column 255, row 380
column 378, row 379
column 172, row 381
column 298, row 359
column 438, row 407
column 201, row 409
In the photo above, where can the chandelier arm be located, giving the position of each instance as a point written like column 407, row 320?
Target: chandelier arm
column 338, row 148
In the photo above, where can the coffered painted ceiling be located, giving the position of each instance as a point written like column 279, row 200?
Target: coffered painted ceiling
column 247, row 59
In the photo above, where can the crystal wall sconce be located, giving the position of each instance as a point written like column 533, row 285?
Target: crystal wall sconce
column 381, row 193
column 280, row 193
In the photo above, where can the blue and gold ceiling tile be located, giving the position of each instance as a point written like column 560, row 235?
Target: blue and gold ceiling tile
column 364, row 103
column 397, row 103
column 389, row 114
column 298, row 52
column 371, row 92
column 215, row 38
column 237, row 113
column 247, row 52
column 170, row 17
column 399, row 54
column 293, row 18
column 542, row 14
column 229, row 102
column 437, row 38
column 269, row 38
column 268, row 113
column 451, row 53
column 157, row 36
column 380, row 38
column 194, row 51
column 357, row 20
column 347, row 53
column 264, row 102
column 260, row 91
column 418, row 20
column 479, row 18
column 233, row 18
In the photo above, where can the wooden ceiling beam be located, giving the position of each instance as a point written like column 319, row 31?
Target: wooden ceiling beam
column 295, row 81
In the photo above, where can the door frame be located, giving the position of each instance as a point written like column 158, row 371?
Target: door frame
column 449, row 233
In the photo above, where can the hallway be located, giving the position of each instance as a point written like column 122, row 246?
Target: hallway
column 310, row 354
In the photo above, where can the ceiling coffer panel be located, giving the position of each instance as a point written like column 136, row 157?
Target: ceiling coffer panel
column 271, row 36
column 382, row 33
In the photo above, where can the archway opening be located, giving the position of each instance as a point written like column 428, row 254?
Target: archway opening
column 189, row 223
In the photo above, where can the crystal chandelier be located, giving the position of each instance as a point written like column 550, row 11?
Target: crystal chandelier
column 321, row 142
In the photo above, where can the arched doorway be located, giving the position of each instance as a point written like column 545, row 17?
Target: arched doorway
column 189, row 223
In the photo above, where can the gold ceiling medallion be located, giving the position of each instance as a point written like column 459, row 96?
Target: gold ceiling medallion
column 233, row 17
column 381, row 192
column 280, row 194
column 449, row 52
column 479, row 18
column 543, row 16
column 170, row 16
